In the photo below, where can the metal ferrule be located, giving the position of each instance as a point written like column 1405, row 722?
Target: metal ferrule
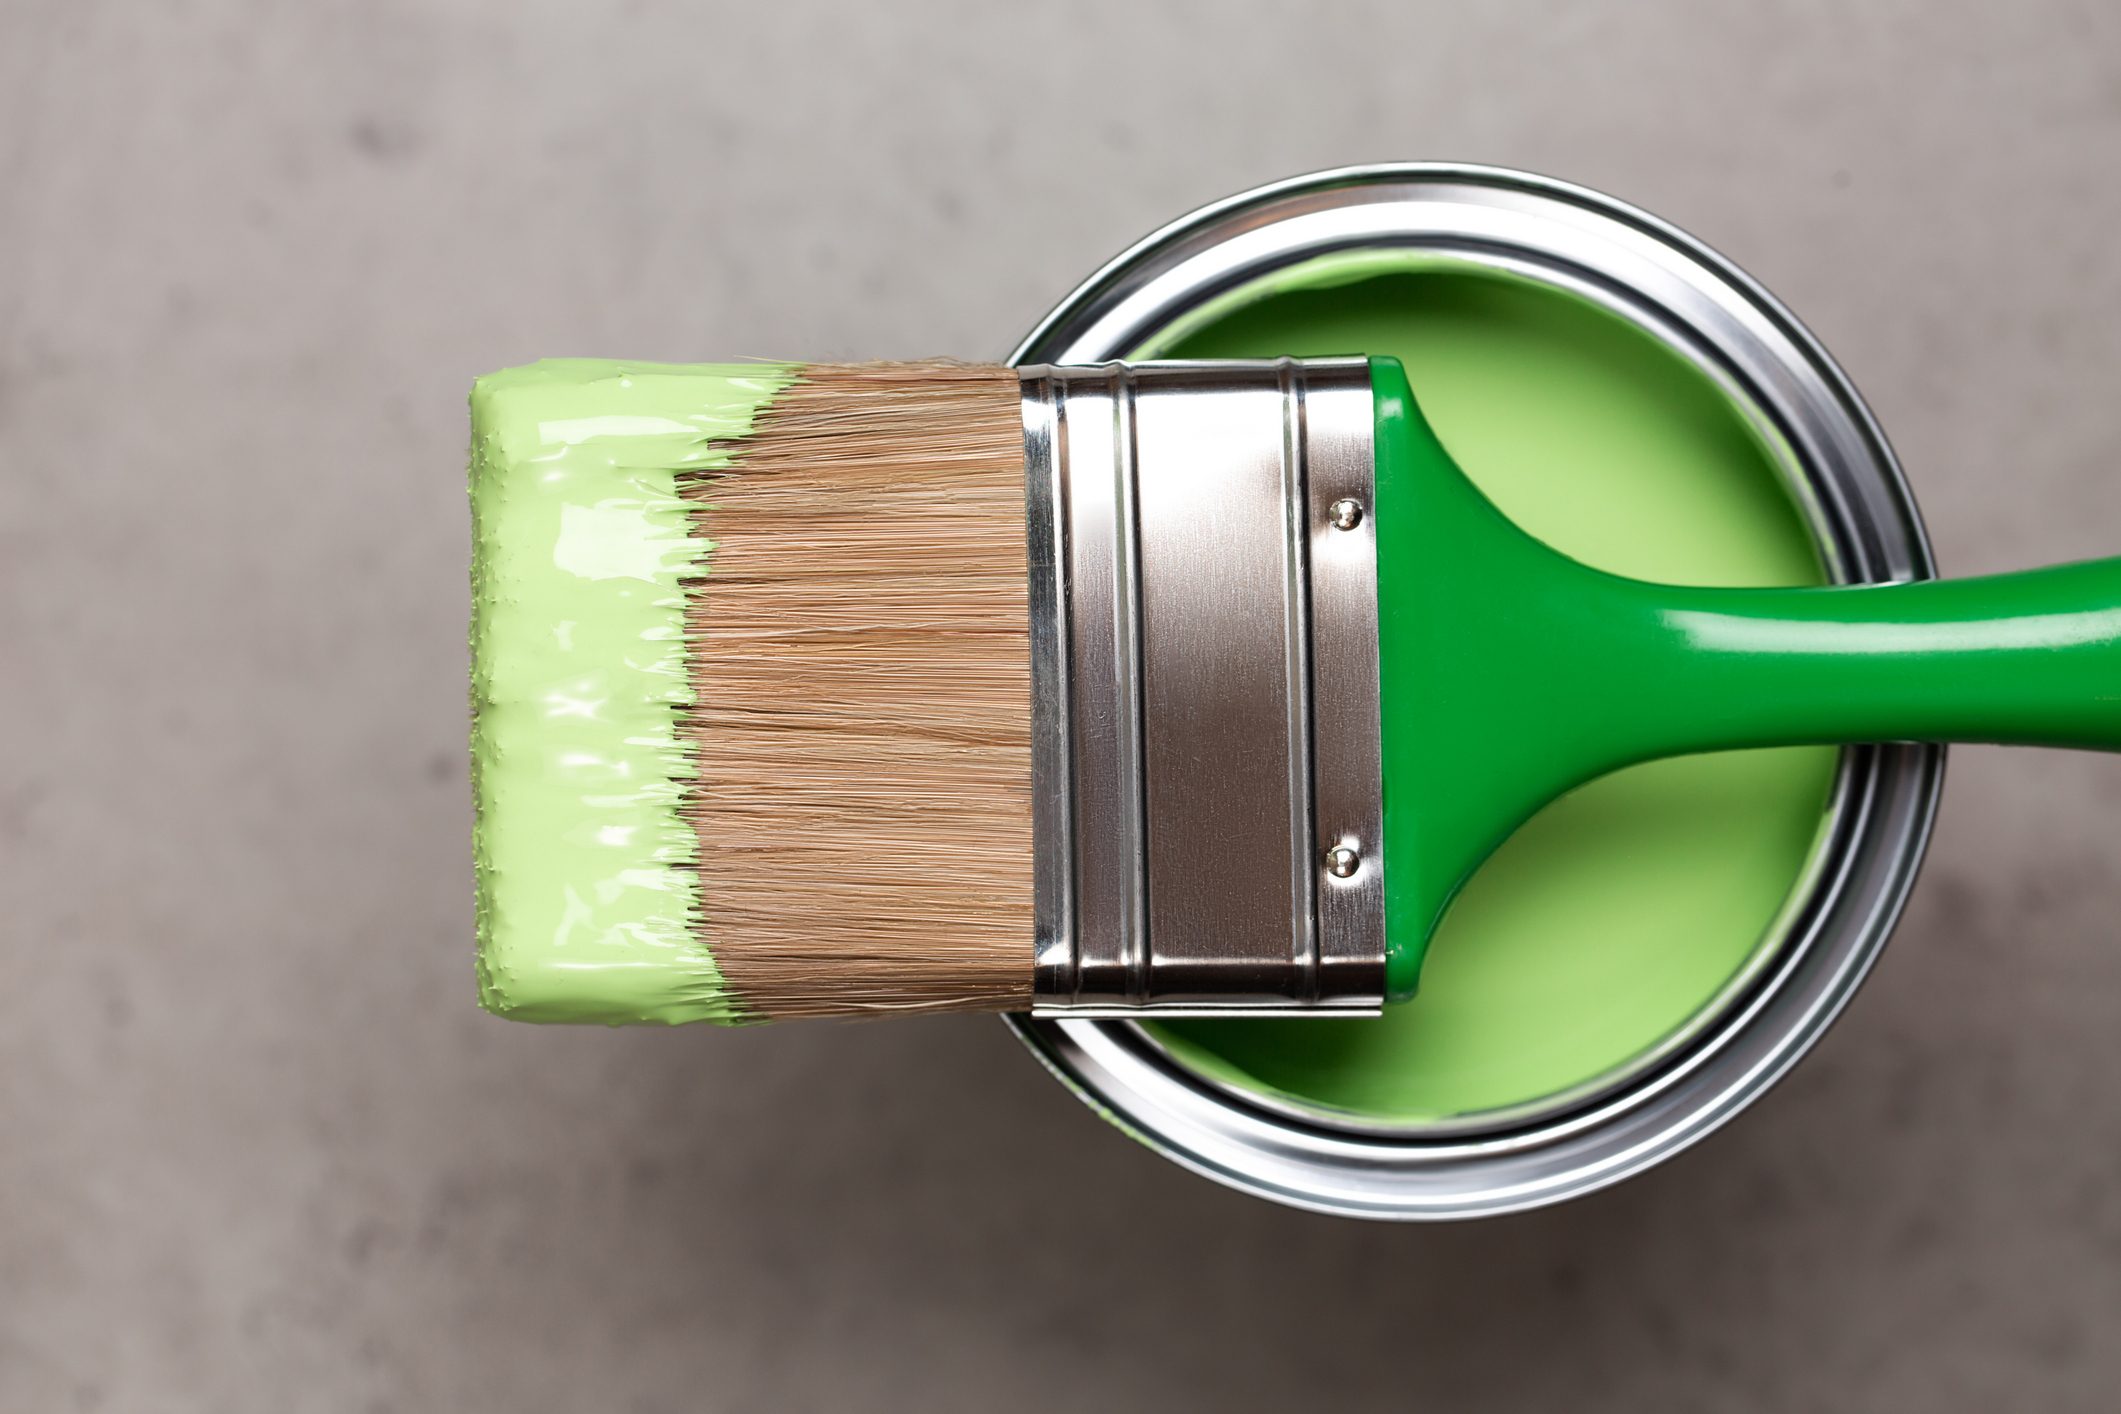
column 1207, row 783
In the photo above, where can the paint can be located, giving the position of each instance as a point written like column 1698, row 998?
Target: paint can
column 1842, row 897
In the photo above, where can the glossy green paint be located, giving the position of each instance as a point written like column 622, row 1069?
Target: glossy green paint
column 1511, row 673
column 1631, row 912
column 587, row 906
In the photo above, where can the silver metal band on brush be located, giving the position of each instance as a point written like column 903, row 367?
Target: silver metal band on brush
column 1205, row 755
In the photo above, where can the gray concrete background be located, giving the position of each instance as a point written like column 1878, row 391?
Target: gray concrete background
column 258, row 1151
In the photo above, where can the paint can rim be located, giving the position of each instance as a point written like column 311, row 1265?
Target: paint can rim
column 1849, row 489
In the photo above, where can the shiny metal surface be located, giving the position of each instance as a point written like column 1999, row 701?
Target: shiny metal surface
column 1844, row 479
column 1207, row 687
column 1052, row 790
column 1347, row 760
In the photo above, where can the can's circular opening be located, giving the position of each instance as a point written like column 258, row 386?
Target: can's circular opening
column 1627, row 917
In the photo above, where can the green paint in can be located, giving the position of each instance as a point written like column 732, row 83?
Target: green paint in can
column 1631, row 912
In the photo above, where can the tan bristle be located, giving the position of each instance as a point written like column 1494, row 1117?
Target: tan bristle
column 860, row 654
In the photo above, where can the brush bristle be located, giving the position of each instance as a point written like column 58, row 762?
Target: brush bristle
column 861, row 719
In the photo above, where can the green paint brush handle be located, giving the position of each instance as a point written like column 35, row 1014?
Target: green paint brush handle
column 1511, row 673
column 2031, row 658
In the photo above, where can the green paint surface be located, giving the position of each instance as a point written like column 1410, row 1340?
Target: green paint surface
column 581, row 546
column 1628, row 912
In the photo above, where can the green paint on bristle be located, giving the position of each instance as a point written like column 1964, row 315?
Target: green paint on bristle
column 581, row 550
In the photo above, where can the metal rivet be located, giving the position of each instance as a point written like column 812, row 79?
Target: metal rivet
column 1346, row 513
column 1343, row 860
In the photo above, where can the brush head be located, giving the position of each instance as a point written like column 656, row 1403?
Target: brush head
column 750, row 691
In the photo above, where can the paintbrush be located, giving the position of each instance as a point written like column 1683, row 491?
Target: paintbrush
column 816, row 690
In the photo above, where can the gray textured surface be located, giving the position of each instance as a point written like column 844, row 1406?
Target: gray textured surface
column 259, row 1152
